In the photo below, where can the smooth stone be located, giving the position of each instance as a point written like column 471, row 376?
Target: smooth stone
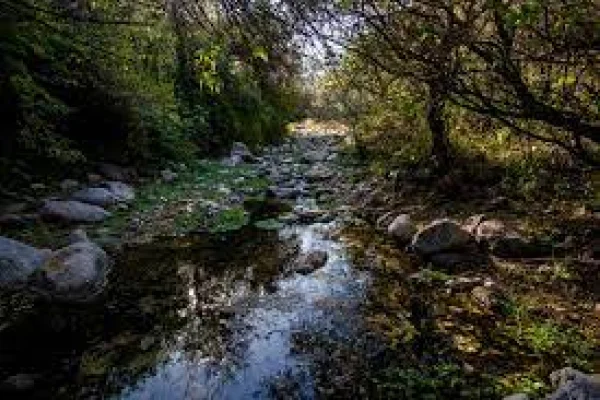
column 18, row 262
column 122, row 191
column 97, row 196
column 76, row 273
column 73, row 211
column 311, row 261
column 441, row 236
column 402, row 228
column 574, row 385
column 78, row 235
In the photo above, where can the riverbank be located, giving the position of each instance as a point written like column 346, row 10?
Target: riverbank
column 282, row 278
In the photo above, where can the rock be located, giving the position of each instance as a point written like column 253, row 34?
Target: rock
column 491, row 230
column 78, row 235
column 168, row 176
column 574, row 385
column 307, row 216
column 38, row 187
column 76, row 273
column 122, row 191
column 311, row 261
column 470, row 225
column 68, row 185
column 441, row 236
column 18, row 383
column 18, row 261
column 117, row 172
column 71, row 211
column 502, row 241
column 97, row 196
column 402, row 228
column 240, row 154
column 232, row 161
column 518, row 396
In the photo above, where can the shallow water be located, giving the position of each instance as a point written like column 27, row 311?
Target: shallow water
column 210, row 317
column 259, row 348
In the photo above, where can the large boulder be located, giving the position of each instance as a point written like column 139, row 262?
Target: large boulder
column 574, row 385
column 122, row 191
column 402, row 228
column 76, row 273
column 18, row 261
column 97, row 196
column 441, row 236
column 72, row 211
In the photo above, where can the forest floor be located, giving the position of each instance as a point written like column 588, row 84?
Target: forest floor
column 206, row 299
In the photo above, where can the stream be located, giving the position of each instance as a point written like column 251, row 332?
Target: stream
column 218, row 316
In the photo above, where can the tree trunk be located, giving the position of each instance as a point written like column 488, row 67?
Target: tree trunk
column 440, row 149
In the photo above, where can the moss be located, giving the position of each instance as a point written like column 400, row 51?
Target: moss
column 229, row 220
column 268, row 224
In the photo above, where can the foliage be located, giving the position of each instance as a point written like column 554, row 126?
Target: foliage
column 530, row 65
column 108, row 81
column 230, row 220
column 441, row 380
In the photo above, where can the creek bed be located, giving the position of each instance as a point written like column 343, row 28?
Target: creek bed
column 210, row 316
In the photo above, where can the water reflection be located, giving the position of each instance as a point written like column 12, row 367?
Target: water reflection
column 257, row 350
column 211, row 317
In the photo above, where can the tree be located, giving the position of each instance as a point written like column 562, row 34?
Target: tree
column 516, row 61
